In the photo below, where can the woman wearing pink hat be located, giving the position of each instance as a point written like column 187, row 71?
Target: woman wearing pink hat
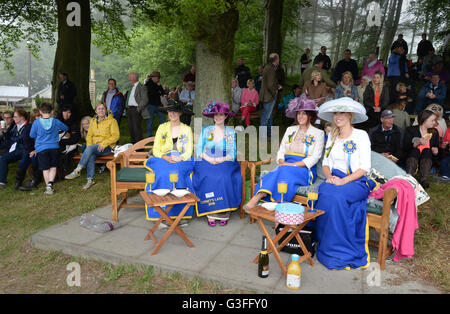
column 300, row 150
column 217, row 176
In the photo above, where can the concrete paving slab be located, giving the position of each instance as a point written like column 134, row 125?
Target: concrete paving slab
column 222, row 254
column 234, row 266
column 126, row 241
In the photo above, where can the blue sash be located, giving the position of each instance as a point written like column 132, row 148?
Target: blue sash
column 294, row 176
column 219, row 187
column 162, row 170
column 343, row 232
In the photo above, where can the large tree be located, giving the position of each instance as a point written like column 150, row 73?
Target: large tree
column 212, row 25
column 38, row 20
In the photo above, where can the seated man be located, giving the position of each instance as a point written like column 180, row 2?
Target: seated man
column 438, row 68
column 187, row 98
column 386, row 137
column 296, row 91
column 432, row 92
column 6, row 125
column 18, row 145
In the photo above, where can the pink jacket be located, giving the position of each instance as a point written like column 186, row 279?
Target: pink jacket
column 403, row 238
column 378, row 66
column 248, row 95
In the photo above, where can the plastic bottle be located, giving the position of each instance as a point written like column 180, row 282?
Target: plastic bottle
column 294, row 272
column 98, row 224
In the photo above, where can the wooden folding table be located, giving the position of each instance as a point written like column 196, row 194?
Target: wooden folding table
column 259, row 213
column 155, row 201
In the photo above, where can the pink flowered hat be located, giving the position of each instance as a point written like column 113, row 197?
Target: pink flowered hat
column 301, row 103
column 214, row 107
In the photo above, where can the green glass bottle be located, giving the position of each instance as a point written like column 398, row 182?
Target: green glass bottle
column 263, row 261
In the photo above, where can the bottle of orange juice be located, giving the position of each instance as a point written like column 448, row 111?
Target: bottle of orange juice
column 294, row 272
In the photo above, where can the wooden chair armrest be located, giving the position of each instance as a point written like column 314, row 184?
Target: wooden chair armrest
column 252, row 166
column 388, row 197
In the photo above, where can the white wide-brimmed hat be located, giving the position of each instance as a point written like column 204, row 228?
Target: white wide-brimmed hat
column 344, row 104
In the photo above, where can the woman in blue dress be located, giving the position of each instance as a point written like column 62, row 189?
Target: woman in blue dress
column 172, row 151
column 217, row 176
column 300, row 150
column 342, row 232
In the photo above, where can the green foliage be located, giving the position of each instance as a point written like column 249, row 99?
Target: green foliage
column 249, row 36
column 21, row 20
column 161, row 48
column 41, row 68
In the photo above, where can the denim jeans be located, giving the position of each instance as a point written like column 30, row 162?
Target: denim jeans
column 445, row 166
column 152, row 110
column 89, row 156
column 266, row 116
column 8, row 158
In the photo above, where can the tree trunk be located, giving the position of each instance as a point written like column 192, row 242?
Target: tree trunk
column 351, row 16
column 213, row 78
column 313, row 27
column 412, row 42
column 272, row 28
column 214, row 58
column 73, row 52
column 391, row 27
column 340, row 33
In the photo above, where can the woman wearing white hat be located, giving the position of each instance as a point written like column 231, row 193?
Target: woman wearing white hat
column 342, row 231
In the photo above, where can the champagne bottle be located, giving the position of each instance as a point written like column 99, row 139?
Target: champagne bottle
column 263, row 262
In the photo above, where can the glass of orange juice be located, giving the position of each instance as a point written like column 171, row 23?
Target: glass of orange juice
column 173, row 177
column 150, row 178
column 282, row 188
column 313, row 195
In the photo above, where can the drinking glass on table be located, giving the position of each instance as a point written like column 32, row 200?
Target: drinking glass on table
column 313, row 195
column 150, row 178
column 282, row 188
column 173, row 177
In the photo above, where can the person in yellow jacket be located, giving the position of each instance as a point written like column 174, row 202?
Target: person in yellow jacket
column 101, row 138
column 172, row 154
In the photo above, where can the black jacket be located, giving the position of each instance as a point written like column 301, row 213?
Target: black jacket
column 423, row 48
column 74, row 131
column 344, row 66
column 387, row 143
column 25, row 144
column 69, row 91
column 408, row 147
column 154, row 92
column 242, row 74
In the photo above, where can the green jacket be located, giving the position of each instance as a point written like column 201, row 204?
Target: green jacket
column 269, row 86
column 306, row 76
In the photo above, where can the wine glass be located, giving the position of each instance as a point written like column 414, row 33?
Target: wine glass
column 282, row 188
column 313, row 195
column 173, row 177
column 150, row 178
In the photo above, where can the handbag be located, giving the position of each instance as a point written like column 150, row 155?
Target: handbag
column 292, row 247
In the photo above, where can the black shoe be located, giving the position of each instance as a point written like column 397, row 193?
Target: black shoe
column 29, row 185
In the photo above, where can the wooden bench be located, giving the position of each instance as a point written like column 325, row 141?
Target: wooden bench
column 99, row 160
column 131, row 176
column 379, row 222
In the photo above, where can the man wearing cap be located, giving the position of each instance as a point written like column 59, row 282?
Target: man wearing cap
column 386, row 137
column 154, row 91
